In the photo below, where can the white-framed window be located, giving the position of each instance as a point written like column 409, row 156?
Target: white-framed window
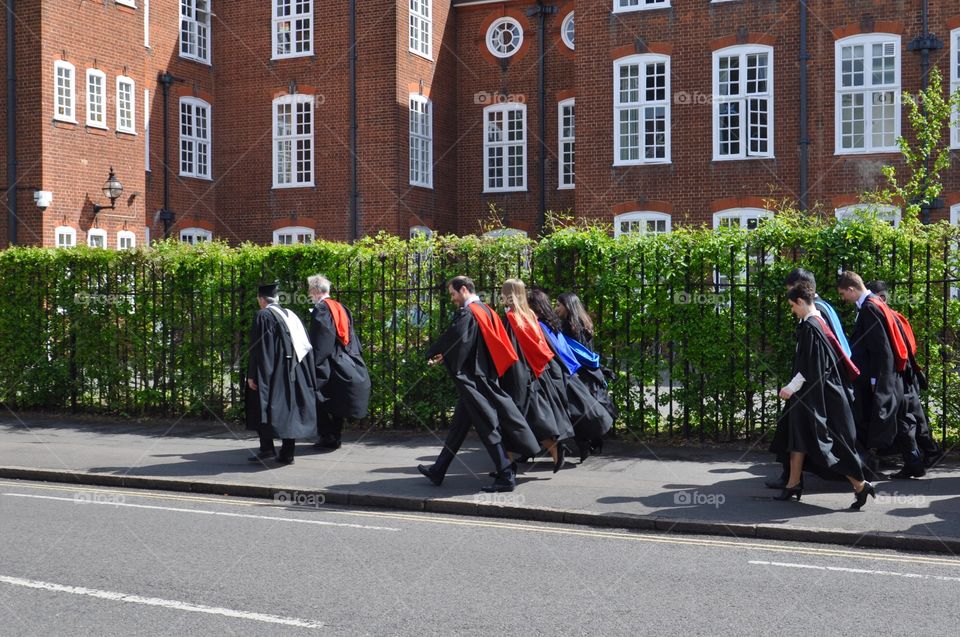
column 868, row 94
column 65, row 236
column 126, row 105
column 955, row 220
column 504, row 37
column 743, row 102
column 126, row 240
column 505, row 147
column 421, row 28
column 146, row 23
column 194, row 138
column 194, row 236
column 622, row 6
column 568, row 31
column 129, row 3
column 504, row 232
column 65, row 92
column 955, row 82
column 146, row 127
column 567, row 143
column 745, row 218
column 292, row 235
column 96, row 98
column 890, row 214
column 293, row 141
column 641, row 223
column 641, row 107
column 421, row 141
column 195, row 30
column 97, row 238
column 420, row 231
column 292, row 28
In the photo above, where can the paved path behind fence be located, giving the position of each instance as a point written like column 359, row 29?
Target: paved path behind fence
column 633, row 486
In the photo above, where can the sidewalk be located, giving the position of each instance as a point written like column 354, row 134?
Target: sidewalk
column 719, row 492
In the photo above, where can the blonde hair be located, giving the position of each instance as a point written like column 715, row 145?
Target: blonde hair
column 515, row 297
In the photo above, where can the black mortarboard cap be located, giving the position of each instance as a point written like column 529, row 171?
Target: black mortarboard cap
column 268, row 290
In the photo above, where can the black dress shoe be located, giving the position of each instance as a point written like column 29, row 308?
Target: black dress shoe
column 910, row 471
column 788, row 493
column 327, row 442
column 861, row 495
column 500, row 485
column 430, row 475
column 561, row 456
column 284, row 460
column 262, row 455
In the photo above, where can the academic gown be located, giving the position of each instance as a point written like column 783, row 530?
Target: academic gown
column 593, row 377
column 538, row 399
column 285, row 398
column 481, row 400
column 590, row 419
column 818, row 418
column 876, row 407
column 343, row 382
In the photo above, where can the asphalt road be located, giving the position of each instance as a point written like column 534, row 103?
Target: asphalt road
column 105, row 562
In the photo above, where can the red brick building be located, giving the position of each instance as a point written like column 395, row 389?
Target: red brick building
column 293, row 119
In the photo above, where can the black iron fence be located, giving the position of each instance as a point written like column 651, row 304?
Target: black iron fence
column 697, row 332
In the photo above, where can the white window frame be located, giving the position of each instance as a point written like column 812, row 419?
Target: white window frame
column 627, row 6
column 126, row 235
column 97, row 233
column 884, row 212
column 868, row 89
column 297, row 234
column 642, row 61
column 294, row 101
column 131, row 128
column 102, row 122
column 741, row 52
column 193, row 236
column 420, row 40
column 420, row 130
column 292, row 18
column 744, row 214
column 146, row 128
column 420, row 231
column 568, row 24
column 493, row 47
column 197, row 29
column 70, row 110
column 955, row 221
column 146, row 23
column 955, row 84
column 504, row 232
column 193, row 141
column 564, row 139
column 69, row 233
column 643, row 217
column 129, row 3
column 504, row 145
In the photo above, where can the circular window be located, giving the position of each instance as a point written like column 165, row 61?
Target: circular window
column 504, row 37
column 566, row 30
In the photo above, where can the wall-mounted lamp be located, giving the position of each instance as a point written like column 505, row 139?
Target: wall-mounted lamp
column 112, row 189
column 43, row 199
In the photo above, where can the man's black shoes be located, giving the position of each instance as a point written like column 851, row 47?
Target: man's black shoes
column 500, row 485
column 327, row 442
column 910, row 471
column 428, row 472
column 262, row 455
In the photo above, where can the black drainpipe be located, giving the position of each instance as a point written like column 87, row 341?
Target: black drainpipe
column 804, row 134
column 166, row 215
column 925, row 43
column 542, row 11
column 354, row 162
column 11, row 128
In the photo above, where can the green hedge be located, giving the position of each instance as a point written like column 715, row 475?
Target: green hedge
column 693, row 323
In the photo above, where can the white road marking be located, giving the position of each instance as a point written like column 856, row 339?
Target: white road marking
column 861, row 571
column 164, row 603
column 204, row 512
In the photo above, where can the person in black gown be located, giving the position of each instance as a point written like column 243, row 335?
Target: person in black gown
column 819, row 419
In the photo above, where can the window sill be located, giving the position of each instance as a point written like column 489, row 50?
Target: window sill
column 192, row 176
column 293, row 56
column 640, row 9
column 419, row 185
column 95, row 129
column 192, row 58
column 291, row 186
column 428, row 58
column 566, row 187
column 66, row 124
column 663, row 162
column 736, row 159
column 126, row 134
column 866, row 154
column 501, row 191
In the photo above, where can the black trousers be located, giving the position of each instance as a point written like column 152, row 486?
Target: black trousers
column 287, row 446
column 455, row 437
column 328, row 425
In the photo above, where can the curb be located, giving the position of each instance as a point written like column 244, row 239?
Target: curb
column 679, row 526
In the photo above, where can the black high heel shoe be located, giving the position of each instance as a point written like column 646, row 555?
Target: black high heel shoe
column 789, row 492
column 861, row 495
column 561, row 456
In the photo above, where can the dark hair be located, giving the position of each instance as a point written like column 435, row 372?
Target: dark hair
column 540, row 304
column 850, row 279
column 798, row 275
column 577, row 321
column 878, row 287
column 802, row 291
column 458, row 282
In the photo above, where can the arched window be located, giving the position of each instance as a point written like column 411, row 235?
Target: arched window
column 888, row 213
column 641, row 222
column 194, row 236
column 292, row 235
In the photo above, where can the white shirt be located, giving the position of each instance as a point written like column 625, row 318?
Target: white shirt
column 863, row 298
column 473, row 298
